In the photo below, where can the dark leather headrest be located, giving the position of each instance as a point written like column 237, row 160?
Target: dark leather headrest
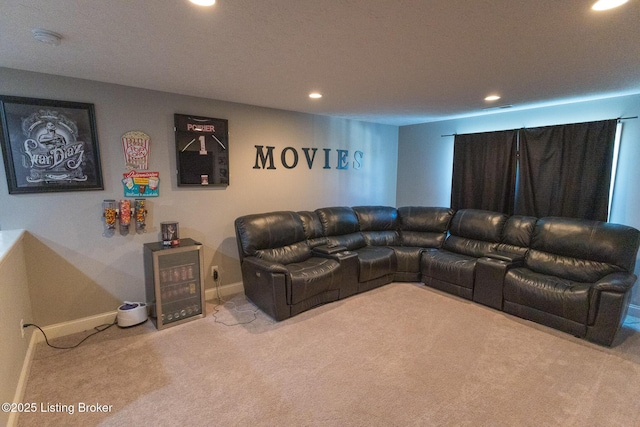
column 478, row 224
column 518, row 230
column 337, row 221
column 377, row 218
column 311, row 223
column 425, row 219
column 267, row 231
column 605, row 242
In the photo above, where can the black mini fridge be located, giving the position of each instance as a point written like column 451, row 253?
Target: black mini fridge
column 174, row 281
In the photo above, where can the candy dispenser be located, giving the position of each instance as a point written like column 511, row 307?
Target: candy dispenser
column 141, row 215
column 125, row 216
column 109, row 213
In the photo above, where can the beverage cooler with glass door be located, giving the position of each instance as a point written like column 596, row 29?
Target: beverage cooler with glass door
column 174, row 282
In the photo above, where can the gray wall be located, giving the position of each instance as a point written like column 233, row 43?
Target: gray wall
column 15, row 306
column 75, row 272
column 427, row 158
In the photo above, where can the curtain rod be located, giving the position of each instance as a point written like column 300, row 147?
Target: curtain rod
column 619, row 118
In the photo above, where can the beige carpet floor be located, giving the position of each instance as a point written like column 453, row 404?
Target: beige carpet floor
column 400, row 355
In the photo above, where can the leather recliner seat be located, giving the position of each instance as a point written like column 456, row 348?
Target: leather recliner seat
column 572, row 268
column 421, row 229
column 376, row 263
column 472, row 234
column 280, row 273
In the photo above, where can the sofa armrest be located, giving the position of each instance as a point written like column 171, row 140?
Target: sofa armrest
column 608, row 306
column 616, row 282
column 328, row 249
column 509, row 257
column 265, row 284
column 269, row 266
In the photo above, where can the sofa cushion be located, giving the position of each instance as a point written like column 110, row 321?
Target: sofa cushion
column 378, row 224
column 581, row 250
column 337, row 221
column 267, row 231
column 568, row 268
column 287, row 254
column 312, row 228
column 376, row 218
column 478, row 224
column 469, row 247
column 550, row 294
column 424, row 226
column 311, row 277
column 375, row 262
column 381, row 238
column 351, row 241
column 408, row 258
column 449, row 267
column 516, row 235
column 475, row 232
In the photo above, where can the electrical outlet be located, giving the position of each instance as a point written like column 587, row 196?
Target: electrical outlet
column 215, row 273
column 22, row 327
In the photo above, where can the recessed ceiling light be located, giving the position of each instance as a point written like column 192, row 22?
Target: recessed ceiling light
column 491, row 98
column 203, row 2
column 46, row 36
column 315, row 95
column 607, row 4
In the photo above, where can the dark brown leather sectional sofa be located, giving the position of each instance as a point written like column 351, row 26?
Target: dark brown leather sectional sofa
column 570, row 274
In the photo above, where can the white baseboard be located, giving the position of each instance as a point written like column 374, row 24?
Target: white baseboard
column 225, row 291
column 86, row 323
column 634, row 310
column 74, row 326
column 22, row 381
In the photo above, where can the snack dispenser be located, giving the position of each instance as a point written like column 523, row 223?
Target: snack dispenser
column 109, row 213
column 141, row 215
column 125, row 216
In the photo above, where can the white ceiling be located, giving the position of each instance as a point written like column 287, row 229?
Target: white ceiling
column 385, row 61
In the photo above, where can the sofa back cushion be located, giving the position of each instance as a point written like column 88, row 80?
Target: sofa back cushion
column 475, row 232
column 376, row 218
column 351, row 241
column 516, row 235
column 337, row 221
column 424, row 227
column 378, row 225
column 312, row 228
column 296, row 252
column 582, row 250
column 267, row 231
column 340, row 227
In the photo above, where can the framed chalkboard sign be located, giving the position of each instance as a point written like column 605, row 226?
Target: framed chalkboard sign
column 49, row 145
column 202, row 147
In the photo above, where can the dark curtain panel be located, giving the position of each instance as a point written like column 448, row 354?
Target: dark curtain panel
column 566, row 170
column 484, row 171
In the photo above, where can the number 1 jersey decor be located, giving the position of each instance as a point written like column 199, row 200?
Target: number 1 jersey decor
column 202, row 146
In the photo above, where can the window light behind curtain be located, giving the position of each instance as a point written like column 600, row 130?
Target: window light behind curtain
column 562, row 171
